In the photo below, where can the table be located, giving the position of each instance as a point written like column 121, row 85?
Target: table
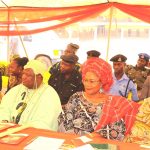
column 33, row 132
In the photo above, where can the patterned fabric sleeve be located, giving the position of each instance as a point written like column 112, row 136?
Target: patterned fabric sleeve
column 79, row 116
column 66, row 118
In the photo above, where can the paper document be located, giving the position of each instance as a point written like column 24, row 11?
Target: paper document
column 84, row 147
column 145, row 146
column 84, row 139
column 45, row 143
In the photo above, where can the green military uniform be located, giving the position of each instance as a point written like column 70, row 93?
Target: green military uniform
column 138, row 74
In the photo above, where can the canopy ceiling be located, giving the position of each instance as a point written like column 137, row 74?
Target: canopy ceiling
column 64, row 3
column 42, row 15
column 23, row 17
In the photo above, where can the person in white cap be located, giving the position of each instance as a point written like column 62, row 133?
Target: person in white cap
column 32, row 103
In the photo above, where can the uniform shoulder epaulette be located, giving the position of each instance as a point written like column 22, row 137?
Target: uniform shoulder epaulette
column 147, row 71
column 130, row 66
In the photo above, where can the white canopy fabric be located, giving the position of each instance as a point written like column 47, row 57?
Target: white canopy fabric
column 103, row 20
column 66, row 3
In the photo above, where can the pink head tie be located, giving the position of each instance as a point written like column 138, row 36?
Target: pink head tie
column 101, row 68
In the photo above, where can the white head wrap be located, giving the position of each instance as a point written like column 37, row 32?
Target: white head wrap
column 37, row 66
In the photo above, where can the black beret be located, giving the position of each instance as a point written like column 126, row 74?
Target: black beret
column 71, row 58
column 93, row 53
column 118, row 58
column 144, row 56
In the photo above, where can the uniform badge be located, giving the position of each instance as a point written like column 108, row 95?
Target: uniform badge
column 142, row 56
column 119, row 59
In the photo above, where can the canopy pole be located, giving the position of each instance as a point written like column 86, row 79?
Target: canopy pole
column 8, row 46
column 21, row 41
column 109, row 32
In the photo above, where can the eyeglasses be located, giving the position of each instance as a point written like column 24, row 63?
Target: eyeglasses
column 93, row 82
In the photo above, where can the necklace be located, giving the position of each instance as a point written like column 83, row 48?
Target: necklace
column 100, row 98
column 91, row 100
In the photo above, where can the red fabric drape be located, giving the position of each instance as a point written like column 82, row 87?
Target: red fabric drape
column 65, row 16
column 141, row 12
column 59, row 17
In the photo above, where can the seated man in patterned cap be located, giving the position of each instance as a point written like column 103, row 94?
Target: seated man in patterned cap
column 32, row 103
column 70, row 49
column 122, row 85
column 139, row 73
column 67, row 80
column 93, row 53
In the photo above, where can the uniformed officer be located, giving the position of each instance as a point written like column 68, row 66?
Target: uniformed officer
column 148, row 65
column 139, row 72
column 122, row 85
column 67, row 80
column 93, row 53
column 118, row 58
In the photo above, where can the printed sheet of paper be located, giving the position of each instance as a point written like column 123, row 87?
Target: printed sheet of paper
column 45, row 143
column 84, row 147
column 84, row 139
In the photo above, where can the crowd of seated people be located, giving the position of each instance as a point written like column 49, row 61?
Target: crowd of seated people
column 79, row 98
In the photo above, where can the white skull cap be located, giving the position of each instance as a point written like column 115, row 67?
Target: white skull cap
column 37, row 67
